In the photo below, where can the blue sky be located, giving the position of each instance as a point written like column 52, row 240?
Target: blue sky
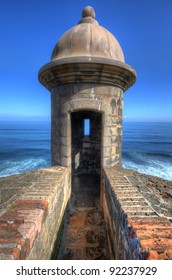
column 30, row 29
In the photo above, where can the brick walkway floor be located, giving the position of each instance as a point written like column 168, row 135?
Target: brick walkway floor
column 84, row 236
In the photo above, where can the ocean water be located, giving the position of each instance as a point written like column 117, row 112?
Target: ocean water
column 147, row 148
column 25, row 146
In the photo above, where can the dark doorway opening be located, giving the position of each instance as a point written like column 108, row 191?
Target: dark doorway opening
column 86, row 142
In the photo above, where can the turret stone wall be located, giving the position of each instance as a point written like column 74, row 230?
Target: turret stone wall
column 107, row 101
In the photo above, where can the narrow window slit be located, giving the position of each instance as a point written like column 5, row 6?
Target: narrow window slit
column 86, row 127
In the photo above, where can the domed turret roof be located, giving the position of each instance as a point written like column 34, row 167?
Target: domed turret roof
column 88, row 39
column 87, row 53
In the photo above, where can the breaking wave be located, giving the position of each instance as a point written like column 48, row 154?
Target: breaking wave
column 149, row 163
column 21, row 166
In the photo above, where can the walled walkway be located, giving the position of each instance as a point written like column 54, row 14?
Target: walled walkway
column 85, row 235
column 148, row 217
column 139, row 208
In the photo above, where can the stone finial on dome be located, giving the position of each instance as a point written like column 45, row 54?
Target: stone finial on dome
column 88, row 15
column 88, row 12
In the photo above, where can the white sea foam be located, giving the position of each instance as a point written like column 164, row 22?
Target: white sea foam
column 150, row 166
column 18, row 167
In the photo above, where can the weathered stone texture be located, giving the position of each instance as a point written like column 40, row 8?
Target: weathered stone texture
column 71, row 98
column 28, row 216
column 135, row 223
column 137, row 229
column 155, row 190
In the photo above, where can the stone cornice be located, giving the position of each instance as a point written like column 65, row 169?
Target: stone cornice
column 87, row 70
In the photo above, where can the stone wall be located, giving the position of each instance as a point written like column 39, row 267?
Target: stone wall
column 122, row 246
column 137, row 212
column 137, row 226
column 30, row 220
column 105, row 100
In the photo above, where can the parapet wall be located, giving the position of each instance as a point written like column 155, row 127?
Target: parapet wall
column 137, row 227
column 122, row 245
column 30, row 220
column 137, row 212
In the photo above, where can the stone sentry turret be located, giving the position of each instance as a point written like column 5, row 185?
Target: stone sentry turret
column 87, row 77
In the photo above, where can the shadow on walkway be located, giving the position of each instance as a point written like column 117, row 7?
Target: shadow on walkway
column 84, row 236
